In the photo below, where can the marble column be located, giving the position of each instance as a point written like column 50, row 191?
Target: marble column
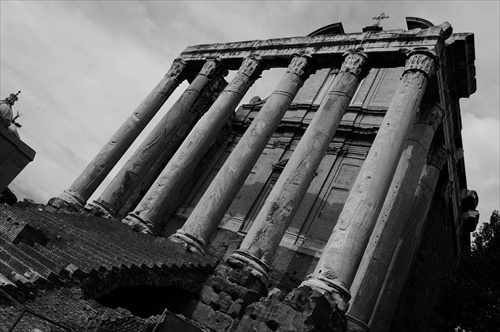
column 156, row 144
column 265, row 234
column 152, row 207
column 392, row 218
column 200, row 107
column 92, row 176
column 344, row 250
column 208, row 213
column 408, row 243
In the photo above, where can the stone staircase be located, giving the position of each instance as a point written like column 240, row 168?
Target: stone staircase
column 41, row 250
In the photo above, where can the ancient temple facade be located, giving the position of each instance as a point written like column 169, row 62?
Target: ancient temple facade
column 334, row 203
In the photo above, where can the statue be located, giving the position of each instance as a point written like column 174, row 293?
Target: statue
column 7, row 118
column 6, row 114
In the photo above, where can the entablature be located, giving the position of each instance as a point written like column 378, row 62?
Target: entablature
column 386, row 49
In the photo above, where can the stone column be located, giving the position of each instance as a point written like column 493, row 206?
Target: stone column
column 208, row 213
column 392, row 218
column 408, row 242
column 200, row 107
column 152, row 207
column 84, row 186
column 131, row 174
column 264, row 236
column 342, row 254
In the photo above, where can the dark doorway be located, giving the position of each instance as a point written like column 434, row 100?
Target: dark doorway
column 145, row 301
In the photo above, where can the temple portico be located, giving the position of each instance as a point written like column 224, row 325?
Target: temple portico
column 151, row 209
column 322, row 188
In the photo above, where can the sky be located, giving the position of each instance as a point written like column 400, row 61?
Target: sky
column 83, row 67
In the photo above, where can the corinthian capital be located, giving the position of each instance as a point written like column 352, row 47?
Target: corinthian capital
column 301, row 65
column 252, row 66
column 438, row 156
column 178, row 70
column 213, row 67
column 354, row 63
column 431, row 114
column 422, row 60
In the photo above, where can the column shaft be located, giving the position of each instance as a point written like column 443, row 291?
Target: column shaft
column 92, row 176
column 265, row 234
column 343, row 252
column 201, row 106
column 392, row 218
column 156, row 144
column 207, row 214
column 151, row 209
column 408, row 243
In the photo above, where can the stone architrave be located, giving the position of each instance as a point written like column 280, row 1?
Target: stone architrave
column 92, row 176
column 265, row 234
column 152, row 207
column 208, row 213
column 392, row 218
column 131, row 174
column 344, row 250
column 408, row 242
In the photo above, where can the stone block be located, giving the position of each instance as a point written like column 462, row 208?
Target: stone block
column 208, row 295
column 235, row 309
column 219, row 322
column 249, row 324
column 202, row 313
column 223, row 301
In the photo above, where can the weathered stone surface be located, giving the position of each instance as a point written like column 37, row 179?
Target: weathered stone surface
column 188, row 106
column 309, row 311
column 345, row 248
column 394, row 214
column 152, row 207
column 208, row 213
column 95, row 172
column 274, row 218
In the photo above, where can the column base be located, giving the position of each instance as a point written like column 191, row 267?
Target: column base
column 337, row 293
column 101, row 209
column 191, row 243
column 138, row 224
column 355, row 325
column 67, row 201
column 239, row 258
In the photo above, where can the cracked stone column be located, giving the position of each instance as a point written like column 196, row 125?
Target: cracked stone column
column 156, row 144
column 152, row 207
column 92, row 176
column 408, row 242
column 264, row 236
column 392, row 218
column 342, row 254
column 207, row 214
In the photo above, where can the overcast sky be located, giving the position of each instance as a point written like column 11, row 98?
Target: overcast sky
column 84, row 66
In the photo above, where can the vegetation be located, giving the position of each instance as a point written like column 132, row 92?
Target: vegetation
column 470, row 298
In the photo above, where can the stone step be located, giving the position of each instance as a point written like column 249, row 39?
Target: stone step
column 27, row 260
column 51, row 271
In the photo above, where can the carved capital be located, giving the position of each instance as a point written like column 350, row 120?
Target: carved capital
column 431, row 114
column 438, row 156
column 213, row 67
column 422, row 60
column 301, row 65
column 178, row 70
column 252, row 66
column 354, row 63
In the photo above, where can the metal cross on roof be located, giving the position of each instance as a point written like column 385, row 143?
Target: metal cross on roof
column 380, row 18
